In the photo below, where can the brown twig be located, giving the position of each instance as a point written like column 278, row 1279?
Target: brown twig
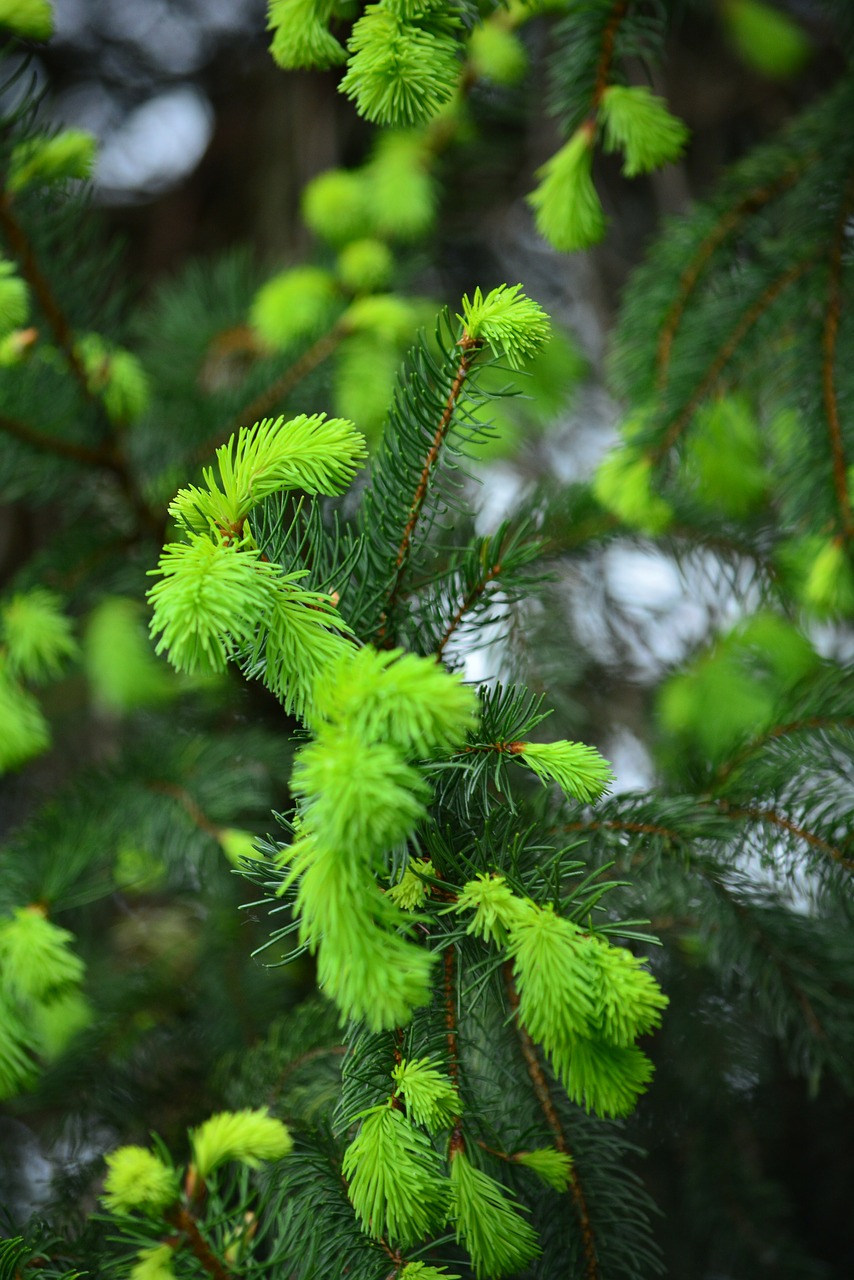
column 184, row 1221
column 266, row 401
column 606, row 54
column 196, row 814
column 69, row 449
column 468, row 603
column 38, row 282
column 544, row 1097
column 781, row 731
column 828, row 365
column 786, row 824
column 469, row 347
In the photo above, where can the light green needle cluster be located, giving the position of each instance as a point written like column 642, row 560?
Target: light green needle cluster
column 411, row 892
column 114, row 375
column 36, row 960
column 424, row 1271
column 638, row 123
column 496, row 908
column 623, row 485
column 578, row 769
column 488, row 1222
column 360, row 795
column 568, row 211
column 26, row 732
column 138, row 1179
column 300, row 34
column 402, row 70
column 68, row 154
column 154, row 1264
column 395, row 1181
column 365, row 266
column 495, row 53
column 247, row 1136
column 37, row 635
column 31, row 18
column 585, row 1001
column 553, row 1167
column 293, row 305
column 14, row 298
column 18, row 1068
column 828, row 586
column 218, row 597
column 388, row 696
column 122, row 671
column 431, row 1099
column 511, row 324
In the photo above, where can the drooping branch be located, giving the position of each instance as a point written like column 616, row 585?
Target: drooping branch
column 775, row 819
column 780, row 731
column 38, row 282
column 766, row 299
column 751, row 203
column 549, row 1110
column 606, row 51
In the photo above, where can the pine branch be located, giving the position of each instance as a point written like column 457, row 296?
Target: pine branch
column 56, row 318
column 184, row 1221
column 544, row 1098
column 729, row 221
column 68, row 449
column 760, row 305
column 780, row 731
column 779, row 820
column 606, row 56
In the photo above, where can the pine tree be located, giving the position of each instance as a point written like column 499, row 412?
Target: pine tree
column 232, row 676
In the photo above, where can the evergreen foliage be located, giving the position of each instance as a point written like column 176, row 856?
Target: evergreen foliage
column 510, row 967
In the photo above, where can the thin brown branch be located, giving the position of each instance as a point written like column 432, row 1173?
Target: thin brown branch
column 751, row 203
column 468, row 603
column 766, row 298
column 469, row 347
column 606, row 52
column 776, row 819
column 196, row 814
column 549, row 1110
column 781, row 731
column 828, row 366
column 185, row 1222
column 449, row 975
column 38, row 282
column 68, row 449
column 266, row 401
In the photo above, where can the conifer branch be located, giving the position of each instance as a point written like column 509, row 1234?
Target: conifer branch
column 184, row 1221
column 449, row 975
column 198, row 817
column 468, row 603
column 544, row 1098
column 606, row 55
column 780, row 731
column 786, row 824
column 751, row 203
column 53, row 313
column 828, row 366
column 267, row 400
column 469, row 347
column 766, row 298
column 69, row 449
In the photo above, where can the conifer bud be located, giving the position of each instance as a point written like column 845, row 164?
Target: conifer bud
column 245, row 1136
column 30, row 18
column 568, row 212
column 138, row 1179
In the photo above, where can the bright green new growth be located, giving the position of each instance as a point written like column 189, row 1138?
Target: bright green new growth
column 623, row 485
column 497, row 54
column 294, row 304
column 507, row 321
column 36, row 634
column 431, row 1099
column 553, row 1167
column 14, row 298
column 722, row 457
column 401, row 71
column 122, row 671
column 551, row 966
column 36, row 961
column 364, row 266
column 55, row 1023
column 496, row 908
column 138, row 1179
column 31, row 18
column 18, row 1069
column 423, row 1271
column 766, row 37
column 638, row 123
column 248, row 1136
column 488, row 1222
column 115, row 376
column 403, row 192
column 627, row 1001
column 828, row 588
column 568, row 211
column 316, row 453
column 411, row 892
column 301, row 38
column 336, row 205
column 388, row 696
column 394, row 1176
column 69, row 154
column 604, row 1078
column 154, row 1264
column 579, row 770
column 26, row 732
